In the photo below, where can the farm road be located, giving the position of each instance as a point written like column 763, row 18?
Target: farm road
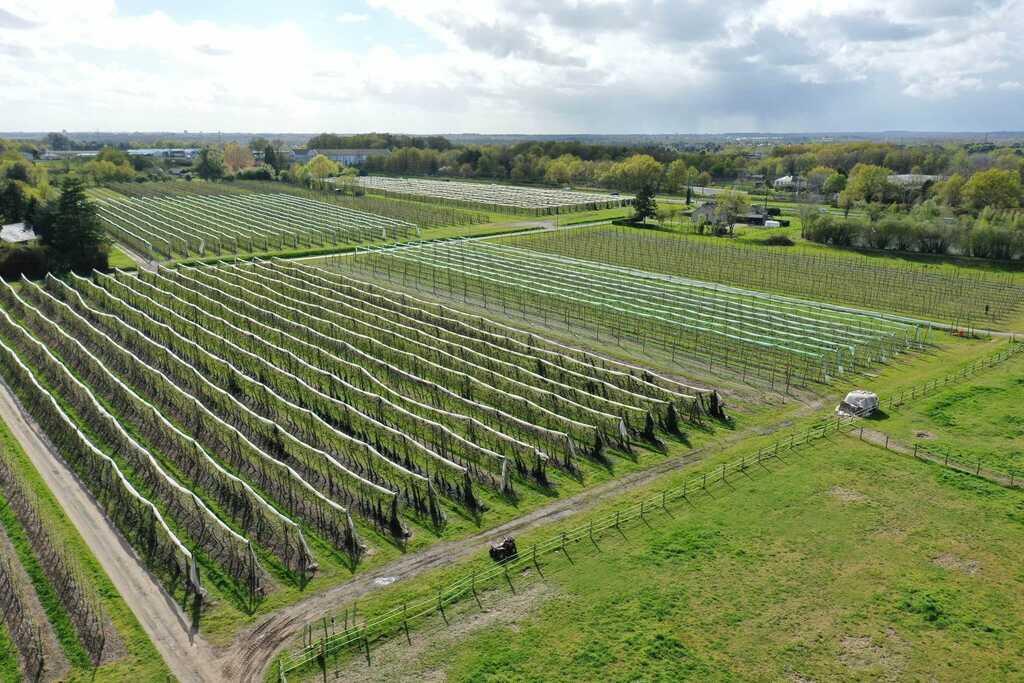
column 188, row 657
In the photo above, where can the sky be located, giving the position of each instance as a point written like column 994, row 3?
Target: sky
column 512, row 66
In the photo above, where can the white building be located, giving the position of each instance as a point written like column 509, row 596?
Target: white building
column 789, row 182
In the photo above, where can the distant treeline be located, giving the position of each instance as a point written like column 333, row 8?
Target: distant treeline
column 992, row 235
column 546, row 162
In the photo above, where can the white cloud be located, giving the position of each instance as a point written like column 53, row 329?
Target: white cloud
column 518, row 65
column 352, row 18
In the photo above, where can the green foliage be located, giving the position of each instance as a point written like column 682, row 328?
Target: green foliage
column 995, row 188
column 869, row 183
column 992, row 237
column 644, row 206
column 72, row 231
column 835, row 183
column 209, row 164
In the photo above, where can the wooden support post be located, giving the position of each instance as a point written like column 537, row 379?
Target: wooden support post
column 405, row 623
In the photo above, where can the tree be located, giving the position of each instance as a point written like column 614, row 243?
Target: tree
column 996, row 188
column 237, row 157
column 270, row 157
column 869, row 183
column 677, row 177
column 320, row 167
column 113, row 155
column 638, row 172
column 70, row 227
column 644, row 206
column 817, row 177
column 209, row 164
column 951, row 190
column 730, row 204
column 103, row 171
column 834, row 184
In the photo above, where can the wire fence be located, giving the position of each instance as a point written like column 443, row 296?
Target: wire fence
column 322, row 639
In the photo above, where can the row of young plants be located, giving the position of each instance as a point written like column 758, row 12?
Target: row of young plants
column 425, row 214
column 62, row 571
column 742, row 329
column 186, row 225
column 125, row 351
column 504, row 198
column 933, row 292
column 141, row 522
column 253, row 404
column 316, row 299
column 176, row 502
column 21, row 628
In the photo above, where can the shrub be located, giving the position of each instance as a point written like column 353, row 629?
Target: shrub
column 779, row 241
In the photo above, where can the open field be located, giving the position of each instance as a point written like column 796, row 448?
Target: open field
column 979, row 419
column 967, row 298
column 767, row 579
column 765, row 336
column 168, row 227
column 495, row 197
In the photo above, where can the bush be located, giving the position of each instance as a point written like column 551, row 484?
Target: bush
column 31, row 260
column 779, row 241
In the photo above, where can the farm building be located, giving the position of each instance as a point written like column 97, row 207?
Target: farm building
column 757, row 215
column 789, row 182
column 913, row 180
column 349, row 157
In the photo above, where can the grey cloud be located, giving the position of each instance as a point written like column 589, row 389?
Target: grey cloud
column 875, row 26
column 11, row 20
column 509, row 41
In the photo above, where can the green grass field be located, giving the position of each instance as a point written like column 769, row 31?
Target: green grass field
column 978, row 419
column 140, row 660
column 846, row 563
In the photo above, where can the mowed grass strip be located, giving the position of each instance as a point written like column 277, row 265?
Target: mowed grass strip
column 848, row 563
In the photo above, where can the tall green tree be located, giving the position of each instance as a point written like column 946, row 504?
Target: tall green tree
column 644, row 206
column 996, row 188
column 209, row 164
column 869, row 183
column 72, row 231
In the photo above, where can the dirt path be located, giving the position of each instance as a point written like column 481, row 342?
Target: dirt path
column 188, row 656
column 141, row 261
column 248, row 657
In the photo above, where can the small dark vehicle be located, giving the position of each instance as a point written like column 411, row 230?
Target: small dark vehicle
column 505, row 550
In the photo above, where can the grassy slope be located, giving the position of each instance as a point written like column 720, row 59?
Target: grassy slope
column 979, row 419
column 141, row 661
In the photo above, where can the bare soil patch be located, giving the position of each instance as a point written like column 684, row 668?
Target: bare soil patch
column 847, row 495
column 955, row 563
